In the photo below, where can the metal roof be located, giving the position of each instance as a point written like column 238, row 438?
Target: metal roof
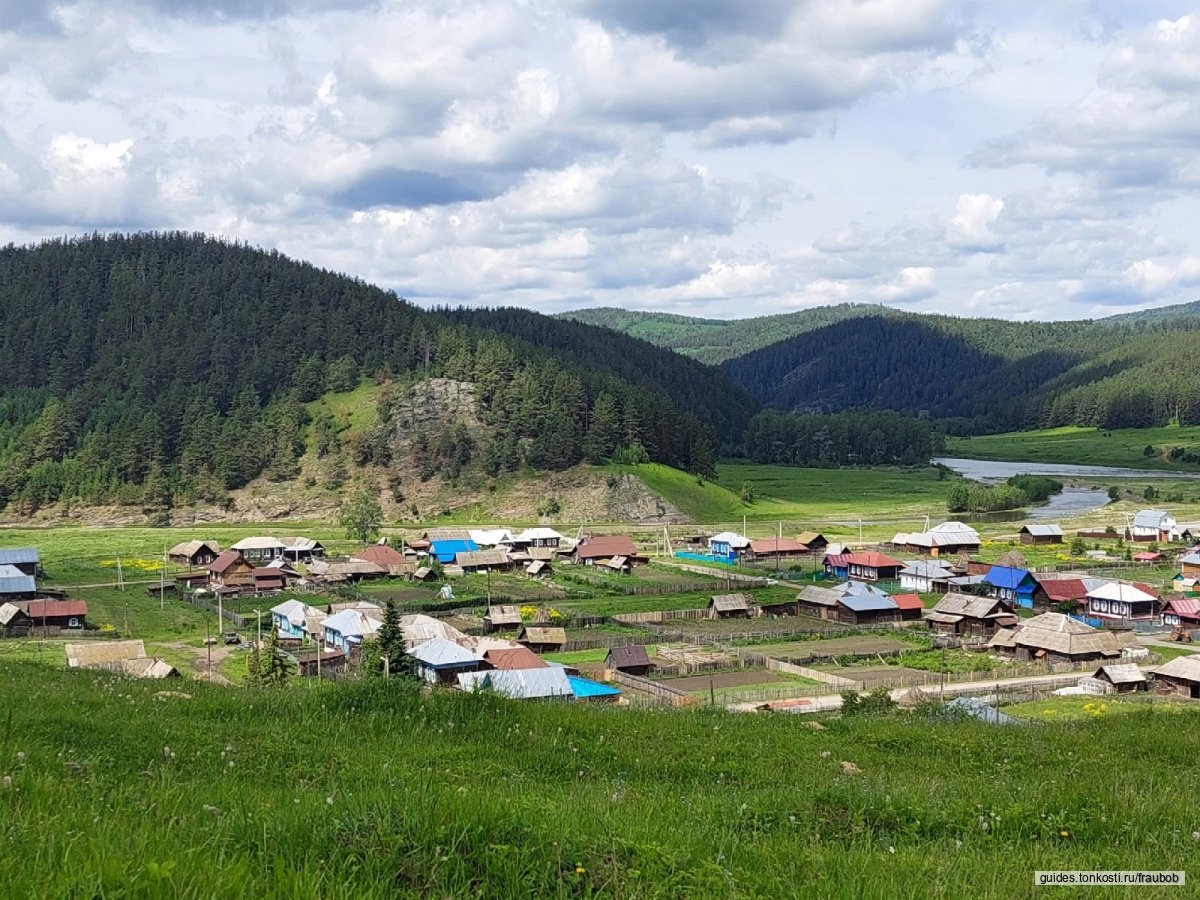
column 868, row 604
column 438, row 653
column 920, row 568
column 732, row 538
column 1152, row 518
column 1006, row 577
column 259, row 543
column 520, row 684
column 858, row 589
column 17, row 584
column 352, row 623
column 585, row 688
column 446, row 550
column 20, row 556
column 1043, row 530
column 1125, row 593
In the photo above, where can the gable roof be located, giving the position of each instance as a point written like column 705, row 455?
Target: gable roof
column 1121, row 673
column 1181, row 606
column 543, row 634
column 1043, row 530
column 259, row 543
column 514, row 658
column 1006, row 577
column 489, row 537
column 191, row 548
column 820, row 596
column 14, row 581
column 225, row 561
column 777, row 545
column 838, row 560
column 858, row 589
column 970, row 607
column 603, row 545
column 1061, row 634
column 301, row 544
column 446, row 549
column 380, row 554
column 536, row 534
column 920, row 568
column 1151, row 518
column 345, row 568
column 9, row 612
column 1125, row 593
column 908, row 601
column 51, row 609
column 19, row 556
column 503, row 615
column 102, row 653
column 520, row 684
column 296, row 612
column 482, row 558
column 867, row 603
column 440, row 653
column 1192, row 559
column 446, row 534
column 1062, row 589
column 947, row 534
column 631, row 656
column 352, row 623
column 1186, row 668
column 732, row 538
column 809, row 537
column 730, row 602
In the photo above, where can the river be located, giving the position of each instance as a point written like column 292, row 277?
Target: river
column 1071, row 501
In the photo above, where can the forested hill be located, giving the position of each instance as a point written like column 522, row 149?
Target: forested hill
column 171, row 366
column 716, row 340
column 978, row 375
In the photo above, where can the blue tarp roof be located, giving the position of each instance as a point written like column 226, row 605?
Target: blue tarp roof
column 861, row 603
column 445, row 551
column 1006, row 577
column 585, row 688
column 19, row 556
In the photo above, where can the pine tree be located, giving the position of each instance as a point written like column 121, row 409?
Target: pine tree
column 390, row 639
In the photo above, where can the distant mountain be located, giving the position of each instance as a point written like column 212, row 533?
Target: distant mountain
column 1176, row 313
column 716, row 340
column 162, row 369
column 979, row 375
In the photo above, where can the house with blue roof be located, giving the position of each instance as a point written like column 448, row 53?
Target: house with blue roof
column 1017, row 586
column 26, row 559
column 445, row 550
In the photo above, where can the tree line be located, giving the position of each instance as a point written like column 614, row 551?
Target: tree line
column 860, row 437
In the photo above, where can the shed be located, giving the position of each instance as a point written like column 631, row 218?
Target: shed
column 14, row 621
column 502, row 618
column 866, row 609
column 813, row 541
column 1179, row 676
column 729, row 606
column 770, row 548
column 27, row 559
column 301, row 549
column 910, row 606
column 1124, row 677
column 1148, row 557
column 593, row 691
column 543, row 638
column 1041, row 534
column 967, row 615
column 632, row 660
column 814, row 600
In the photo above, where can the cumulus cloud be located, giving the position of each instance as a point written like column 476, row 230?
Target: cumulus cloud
column 971, row 226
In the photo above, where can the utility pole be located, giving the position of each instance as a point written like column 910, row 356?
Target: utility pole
column 208, row 643
column 387, row 668
column 258, row 612
column 860, row 531
column 162, row 581
column 778, row 538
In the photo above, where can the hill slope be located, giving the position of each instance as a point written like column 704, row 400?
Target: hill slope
column 371, row 790
column 985, row 374
column 716, row 340
column 165, row 368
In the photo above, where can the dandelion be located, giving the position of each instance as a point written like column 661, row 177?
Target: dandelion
column 580, row 870
column 1064, row 833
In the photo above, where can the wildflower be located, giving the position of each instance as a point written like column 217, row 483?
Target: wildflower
column 580, row 870
column 167, row 754
column 1064, row 833
column 891, row 849
column 329, row 801
column 958, row 845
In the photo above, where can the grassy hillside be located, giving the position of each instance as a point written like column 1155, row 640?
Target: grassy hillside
column 368, row 790
column 716, row 340
column 1084, row 446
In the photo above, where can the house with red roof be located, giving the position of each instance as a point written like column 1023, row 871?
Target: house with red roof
column 785, row 548
column 55, row 613
column 1065, row 590
column 1183, row 611
column 872, row 566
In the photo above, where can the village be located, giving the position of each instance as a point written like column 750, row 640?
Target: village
column 752, row 624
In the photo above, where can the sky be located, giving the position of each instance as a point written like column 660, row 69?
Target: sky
column 724, row 158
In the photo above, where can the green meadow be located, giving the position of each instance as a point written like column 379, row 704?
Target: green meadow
column 1084, row 446
column 363, row 790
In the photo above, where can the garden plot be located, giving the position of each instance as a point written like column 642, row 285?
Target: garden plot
column 725, row 680
column 831, row 647
column 717, row 629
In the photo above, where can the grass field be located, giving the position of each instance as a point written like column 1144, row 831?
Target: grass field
column 372, row 791
column 1083, row 446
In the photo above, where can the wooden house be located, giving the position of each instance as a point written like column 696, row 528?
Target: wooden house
column 196, row 579
column 536, row 537
column 1148, row 557
column 14, row 621
column 777, row 548
column 601, row 549
column 1018, row 586
column 381, row 555
column 1117, row 600
column 1189, row 565
column 259, row 550
column 729, row 606
column 925, row 576
column 1182, row 611
column 194, row 554
column 1041, row 534
column 350, row 570
column 1064, row 590
column 632, row 660
column 513, row 658
column 1179, row 677
column 540, row 568
column 946, row 539
column 64, row 614
column 837, row 565
column 871, row 566
column 230, row 568
column 978, row 617
column 812, row 541
column 484, row 561
column 27, row 560
column 293, row 621
column 1122, row 678
column 728, row 546
column 440, row 661
column 1057, row 638
column 543, row 638
column 502, row 618
column 301, row 549
column 15, row 584
column 874, row 608
column 268, row 579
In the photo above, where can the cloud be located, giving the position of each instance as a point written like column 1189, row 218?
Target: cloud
column 971, row 227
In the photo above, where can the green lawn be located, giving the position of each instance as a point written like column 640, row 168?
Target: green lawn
column 577, row 657
column 370, row 791
column 1082, row 446
column 1062, row 709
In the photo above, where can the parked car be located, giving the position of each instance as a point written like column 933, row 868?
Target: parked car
column 232, row 637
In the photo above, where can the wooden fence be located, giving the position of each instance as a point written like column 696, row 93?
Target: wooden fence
column 659, row 616
column 657, row 689
column 775, row 665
